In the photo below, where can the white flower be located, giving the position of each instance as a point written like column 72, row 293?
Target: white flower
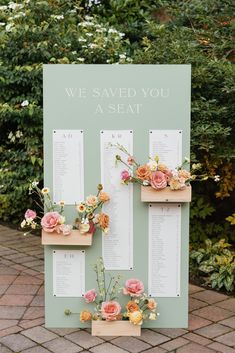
column 57, row 17
column 74, row 52
column 81, row 39
column 111, row 30
column 2, row 8
column 88, row 34
column 152, row 316
column 108, row 61
column 9, row 27
column 23, row 223
column 88, row 18
column 122, row 56
column 145, row 182
column 19, row 134
column 25, row 103
column 93, row 45
column 217, row 178
column 152, row 165
column 2, row 23
column 81, row 59
column 12, row 5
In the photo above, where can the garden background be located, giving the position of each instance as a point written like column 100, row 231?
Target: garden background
column 196, row 32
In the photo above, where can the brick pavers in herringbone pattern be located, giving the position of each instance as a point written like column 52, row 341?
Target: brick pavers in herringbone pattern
column 211, row 314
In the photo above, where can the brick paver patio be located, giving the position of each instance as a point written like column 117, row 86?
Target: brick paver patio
column 211, row 314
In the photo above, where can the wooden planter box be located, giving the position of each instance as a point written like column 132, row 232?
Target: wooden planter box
column 148, row 194
column 114, row 328
column 74, row 238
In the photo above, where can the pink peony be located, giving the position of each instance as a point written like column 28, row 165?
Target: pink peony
column 158, row 180
column 90, row 296
column 30, row 214
column 125, row 175
column 110, row 310
column 133, row 287
column 50, row 221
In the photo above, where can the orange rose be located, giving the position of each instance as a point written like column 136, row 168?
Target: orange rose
column 143, row 172
column 182, row 173
column 103, row 196
column 104, row 220
column 85, row 316
column 132, row 306
column 151, row 304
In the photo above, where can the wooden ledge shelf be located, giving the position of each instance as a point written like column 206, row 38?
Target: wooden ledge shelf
column 148, row 194
column 114, row 328
column 74, row 238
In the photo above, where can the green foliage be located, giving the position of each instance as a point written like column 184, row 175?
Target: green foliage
column 36, row 33
column 216, row 262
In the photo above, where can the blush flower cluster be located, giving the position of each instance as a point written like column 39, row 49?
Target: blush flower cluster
column 139, row 306
column 50, row 217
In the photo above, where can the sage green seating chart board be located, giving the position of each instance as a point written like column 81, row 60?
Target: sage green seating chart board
column 139, row 106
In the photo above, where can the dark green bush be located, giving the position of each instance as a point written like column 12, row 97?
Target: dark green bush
column 197, row 32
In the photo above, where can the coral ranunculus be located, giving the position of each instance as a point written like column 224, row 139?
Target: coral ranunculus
column 143, row 172
column 158, row 180
column 133, row 287
column 103, row 220
column 90, row 296
column 85, row 316
column 103, row 196
column 132, row 306
column 110, row 310
column 50, row 221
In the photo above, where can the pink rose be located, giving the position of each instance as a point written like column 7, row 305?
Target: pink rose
column 158, row 180
column 90, row 296
column 50, row 221
column 110, row 310
column 133, row 287
column 125, row 175
column 30, row 214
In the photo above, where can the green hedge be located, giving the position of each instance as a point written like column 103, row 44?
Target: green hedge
column 197, row 32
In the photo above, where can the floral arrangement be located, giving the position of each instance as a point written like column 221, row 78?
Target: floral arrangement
column 51, row 217
column 139, row 306
column 156, row 174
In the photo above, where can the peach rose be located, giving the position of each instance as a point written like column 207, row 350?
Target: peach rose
column 143, row 172
column 30, row 214
column 132, row 306
column 158, row 180
column 163, row 168
column 90, row 296
column 91, row 200
column 110, row 310
column 182, row 173
column 136, row 318
column 152, row 304
column 175, row 183
column 133, row 287
column 103, row 220
column 103, row 196
column 85, row 316
column 50, row 221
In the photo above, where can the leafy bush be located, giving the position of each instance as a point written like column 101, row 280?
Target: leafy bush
column 37, row 33
column 216, row 262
